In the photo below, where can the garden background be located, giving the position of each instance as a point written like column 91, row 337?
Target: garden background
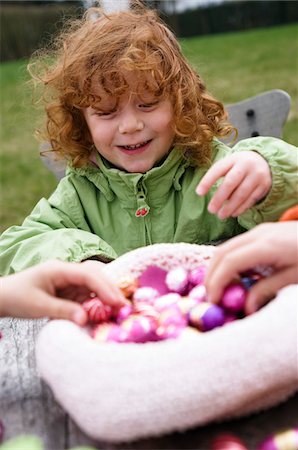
column 235, row 65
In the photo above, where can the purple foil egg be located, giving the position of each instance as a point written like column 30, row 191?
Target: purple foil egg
column 233, row 298
column 177, row 280
column 197, row 275
column 198, row 293
column 109, row 332
column 206, row 316
column 139, row 328
column 166, row 301
column 154, row 277
column 145, row 294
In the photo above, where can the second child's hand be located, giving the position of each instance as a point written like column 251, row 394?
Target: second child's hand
column 247, row 179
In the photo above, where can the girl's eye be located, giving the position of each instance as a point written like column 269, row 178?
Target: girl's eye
column 148, row 105
column 105, row 113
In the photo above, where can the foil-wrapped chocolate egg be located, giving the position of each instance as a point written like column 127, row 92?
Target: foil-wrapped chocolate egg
column 233, row 298
column 284, row 440
column 185, row 304
column 167, row 300
column 227, row 441
column 198, row 293
column 123, row 313
column 177, row 280
column 139, row 328
column 146, row 310
column 172, row 316
column 96, row 310
column 145, row 294
column 128, row 285
column 197, row 275
column 109, row 332
column 206, row 316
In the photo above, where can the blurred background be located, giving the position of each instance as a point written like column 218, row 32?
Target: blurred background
column 240, row 48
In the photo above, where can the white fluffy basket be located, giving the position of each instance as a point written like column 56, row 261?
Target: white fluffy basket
column 122, row 392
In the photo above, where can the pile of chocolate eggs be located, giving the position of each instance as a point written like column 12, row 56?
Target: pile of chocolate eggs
column 163, row 304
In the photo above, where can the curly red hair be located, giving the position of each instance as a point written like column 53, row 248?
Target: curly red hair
column 94, row 52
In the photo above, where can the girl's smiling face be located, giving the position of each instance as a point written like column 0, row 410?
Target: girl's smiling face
column 133, row 134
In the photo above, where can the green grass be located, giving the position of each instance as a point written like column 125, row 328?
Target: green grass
column 234, row 66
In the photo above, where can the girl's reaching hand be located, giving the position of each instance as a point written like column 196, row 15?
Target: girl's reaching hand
column 247, row 179
column 270, row 244
column 46, row 290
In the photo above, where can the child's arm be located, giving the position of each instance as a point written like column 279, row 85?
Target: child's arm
column 46, row 291
column 247, row 179
column 57, row 228
column 272, row 244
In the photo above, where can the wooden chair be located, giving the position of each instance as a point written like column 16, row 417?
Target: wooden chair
column 262, row 115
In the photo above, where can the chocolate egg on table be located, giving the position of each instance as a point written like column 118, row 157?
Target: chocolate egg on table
column 167, row 300
column 109, row 332
column 139, row 328
column 206, row 316
column 177, row 280
column 197, row 275
column 96, row 310
column 227, row 441
column 145, row 294
column 284, row 440
column 233, row 298
column 198, row 293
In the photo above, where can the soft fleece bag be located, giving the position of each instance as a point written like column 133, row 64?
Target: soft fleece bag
column 121, row 392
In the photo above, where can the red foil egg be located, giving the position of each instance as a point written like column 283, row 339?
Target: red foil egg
column 227, row 441
column 233, row 298
column 96, row 310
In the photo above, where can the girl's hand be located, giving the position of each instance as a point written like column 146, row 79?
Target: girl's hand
column 270, row 244
column 247, row 179
column 47, row 290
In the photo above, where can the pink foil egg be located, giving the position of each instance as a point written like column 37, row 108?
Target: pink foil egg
column 139, row 328
column 233, row 298
column 198, row 293
column 285, row 440
column 177, row 280
column 145, row 294
column 168, row 332
column 123, row 313
column 167, row 300
column 197, row 275
column 172, row 316
column 146, row 310
column 96, row 310
column 154, row 277
column 109, row 332
column 206, row 316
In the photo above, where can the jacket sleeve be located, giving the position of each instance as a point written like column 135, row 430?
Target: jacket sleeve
column 56, row 229
column 283, row 161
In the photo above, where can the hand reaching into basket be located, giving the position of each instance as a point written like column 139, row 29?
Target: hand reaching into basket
column 270, row 244
column 55, row 289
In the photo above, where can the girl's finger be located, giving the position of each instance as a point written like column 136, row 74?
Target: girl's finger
column 266, row 289
column 242, row 198
column 218, row 170
column 233, row 179
column 255, row 196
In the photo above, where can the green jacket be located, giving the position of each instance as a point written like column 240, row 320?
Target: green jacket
column 93, row 211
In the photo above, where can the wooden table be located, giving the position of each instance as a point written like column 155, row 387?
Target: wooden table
column 27, row 405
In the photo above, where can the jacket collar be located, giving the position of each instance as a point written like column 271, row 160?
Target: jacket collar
column 112, row 181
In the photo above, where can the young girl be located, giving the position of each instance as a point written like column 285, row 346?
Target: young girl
column 140, row 132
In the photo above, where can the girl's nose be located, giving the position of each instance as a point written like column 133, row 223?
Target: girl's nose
column 130, row 123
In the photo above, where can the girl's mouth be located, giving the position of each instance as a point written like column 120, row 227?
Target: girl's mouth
column 137, row 148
